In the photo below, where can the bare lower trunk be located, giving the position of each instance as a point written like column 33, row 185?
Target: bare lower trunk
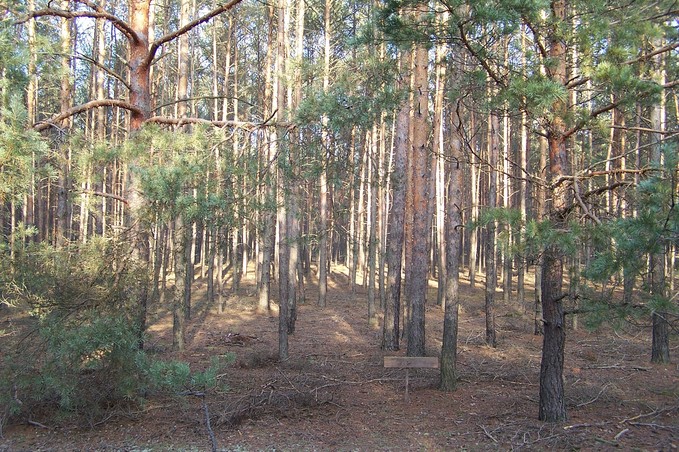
column 420, row 194
column 395, row 232
column 552, row 400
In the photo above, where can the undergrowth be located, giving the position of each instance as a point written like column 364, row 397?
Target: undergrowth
column 72, row 351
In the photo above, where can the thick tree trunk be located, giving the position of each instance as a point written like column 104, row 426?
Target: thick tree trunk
column 453, row 235
column 419, row 238
column 660, row 347
column 552, row 400
column 395, row 233
column 284, row 249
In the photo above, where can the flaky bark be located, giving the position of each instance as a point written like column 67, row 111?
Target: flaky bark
column 420, row 194
column 453, row 235
column 552, row 399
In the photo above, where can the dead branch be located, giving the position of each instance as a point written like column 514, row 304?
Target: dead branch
column 104, row 195
column 191, row 99
column 651, row 414
column 247, row 125
column 117, row 22
column 643, row 129
column 188, row 27
column 576, row 191
column 208, row 426
column 37, row 424
column 654, row 425
column 108, row 71
column 43, row 125
column 483, row 61
column 278, row 396
column 595, row 398
column 574, row 426
column 620, row 434
column 485, row 431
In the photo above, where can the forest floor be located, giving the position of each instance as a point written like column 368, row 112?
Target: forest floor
column 334, row 393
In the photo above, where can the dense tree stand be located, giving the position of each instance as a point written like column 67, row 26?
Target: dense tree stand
column 150, row 149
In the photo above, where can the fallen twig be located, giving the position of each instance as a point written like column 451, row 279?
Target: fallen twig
column 595, row 398
column 487, row 433
column 654, row 425
column 37, row 424
column 652, row 413
column 620, row 434
column 605, row 441
column 211, row 433
column 574, row 426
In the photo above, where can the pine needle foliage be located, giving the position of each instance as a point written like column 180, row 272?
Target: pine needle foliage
column 75, row 351
column 622, row 246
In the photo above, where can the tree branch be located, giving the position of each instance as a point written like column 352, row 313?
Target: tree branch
column 538, row 43
column 84, row 107
column 104, row 195
column 592, row 115
column 645, row 57
column 576, row 191
column 96, row 63
column 188, row 27
column 190, row 99
column 120, row 24
column 489, row 70
column 644, row 129
column 249, row 125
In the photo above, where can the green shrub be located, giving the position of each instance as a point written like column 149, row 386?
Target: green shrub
column 86, row 369
column 74, row 348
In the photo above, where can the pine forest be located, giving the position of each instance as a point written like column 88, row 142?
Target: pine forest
column 339, row 225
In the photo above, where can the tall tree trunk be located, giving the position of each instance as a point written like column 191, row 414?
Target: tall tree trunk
column 283, row 259
column 541, row 214
column 323, row 183
column 65, row 99
column 491, row 264
column 395, row 233
column 506, row 204
column 293, row 211
column 372, row 226
column 420, row 188
column 182, row 239
column 552, row 400
column 269, row 151
column 523, row 190
column 660, row 346
column 474, row 233
column 179, row 298
column 438, row 167
column 453, row 235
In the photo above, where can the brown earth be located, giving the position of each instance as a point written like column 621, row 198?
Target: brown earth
column 334, row 393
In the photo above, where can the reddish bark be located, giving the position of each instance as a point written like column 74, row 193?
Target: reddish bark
column 552, row 400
